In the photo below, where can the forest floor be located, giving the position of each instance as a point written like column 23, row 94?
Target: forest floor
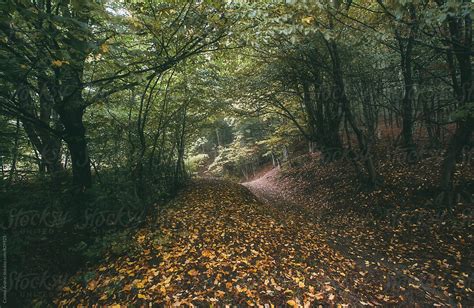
column 258, row 243
column 221, row 244
column 422, row 251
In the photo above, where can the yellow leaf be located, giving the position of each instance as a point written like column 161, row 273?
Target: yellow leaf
column 59, row 63
column 103, row 268
column 141, row 296
column 208, row 253
column 307, row 20
column 103, row 297
column 301, row 284
column 104, row 48
column 292, row 303
column 193, row 272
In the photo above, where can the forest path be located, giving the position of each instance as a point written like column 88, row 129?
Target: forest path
column 393, row 283
column 218, row 243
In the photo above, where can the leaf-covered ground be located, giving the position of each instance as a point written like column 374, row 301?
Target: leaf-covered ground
column 218, row 243
column 396, row 229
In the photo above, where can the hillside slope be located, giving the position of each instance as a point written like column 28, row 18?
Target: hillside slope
column 395, row 228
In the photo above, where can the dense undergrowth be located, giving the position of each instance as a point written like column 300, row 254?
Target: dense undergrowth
column 79, row 229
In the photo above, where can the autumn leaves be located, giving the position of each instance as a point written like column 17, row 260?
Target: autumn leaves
column 217, row 244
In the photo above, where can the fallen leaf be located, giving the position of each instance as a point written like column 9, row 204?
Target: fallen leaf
column 193, row 272
column 92, row 285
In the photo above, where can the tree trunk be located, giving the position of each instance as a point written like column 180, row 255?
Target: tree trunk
column 47, row 145
column 180, row 168
column 341, row 97
column 70, row 106
column 76, row 141
column 459, row 139
column 51, row 145
column 406, row 52
column 462, row 44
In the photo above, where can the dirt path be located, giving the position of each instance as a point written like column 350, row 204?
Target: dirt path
column 220, row 243
column 393, row 280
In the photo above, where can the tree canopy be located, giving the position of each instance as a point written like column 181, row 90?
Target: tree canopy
column 133, row 98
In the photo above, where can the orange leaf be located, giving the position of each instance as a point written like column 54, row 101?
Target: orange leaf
column 92, row 285
column 207, row 253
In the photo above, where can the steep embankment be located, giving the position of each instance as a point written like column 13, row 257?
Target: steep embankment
column 218, row 243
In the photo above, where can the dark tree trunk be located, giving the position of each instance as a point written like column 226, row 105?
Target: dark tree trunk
column 46, row 144
column 51, row 144
column 310, row 112
column 70, row 105
column 407, row 111
column 180, row 168
column 75, row 138
column 458, row 141
column 406, row 55
column 341, row 97
column 325, row 121
column 461, row 44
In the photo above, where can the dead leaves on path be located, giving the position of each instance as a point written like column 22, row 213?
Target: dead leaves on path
column 424, row 253
column 217, row 244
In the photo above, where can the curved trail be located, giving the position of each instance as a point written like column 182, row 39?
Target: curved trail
column 391, row 279
column 231, row 244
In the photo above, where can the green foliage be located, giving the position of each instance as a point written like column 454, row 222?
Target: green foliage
column 197, row 162
column 238, row 160
column 465, row 113
column 7, row 138
column 112, row 243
